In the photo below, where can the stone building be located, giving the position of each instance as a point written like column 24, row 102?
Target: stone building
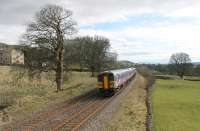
column 10, row 54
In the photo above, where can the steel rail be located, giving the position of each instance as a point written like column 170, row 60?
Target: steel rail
column 59, row 126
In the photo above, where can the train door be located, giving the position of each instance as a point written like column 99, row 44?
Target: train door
column 105, row 82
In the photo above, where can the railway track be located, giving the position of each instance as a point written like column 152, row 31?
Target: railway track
column 70, row 116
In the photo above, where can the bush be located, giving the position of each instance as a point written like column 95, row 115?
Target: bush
column 7, row 98
column 17, row 74
column 147, row 74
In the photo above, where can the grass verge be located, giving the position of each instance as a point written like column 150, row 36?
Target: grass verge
column 20, row 99
column 131, row 115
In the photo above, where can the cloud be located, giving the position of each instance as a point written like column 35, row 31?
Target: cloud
column 139, row 30
column 96, row 11
column 19, row 12
column 105, row 11
column 154, row 42
column 188, row 11
column 10, row 34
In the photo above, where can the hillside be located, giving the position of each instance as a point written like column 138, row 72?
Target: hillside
column 125, row 64
column 196, row 63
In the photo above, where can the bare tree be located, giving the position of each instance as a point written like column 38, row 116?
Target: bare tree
column 95, row 53
column 180, row 63
column 52, row 24
column 89, row 52
column 110, row 61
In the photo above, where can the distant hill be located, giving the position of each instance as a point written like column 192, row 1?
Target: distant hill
column 125, row 64
column 196, row 63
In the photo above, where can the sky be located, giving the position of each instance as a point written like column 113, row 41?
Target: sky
column 141, row 31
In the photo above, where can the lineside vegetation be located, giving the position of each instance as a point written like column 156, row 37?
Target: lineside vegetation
column 21, row 97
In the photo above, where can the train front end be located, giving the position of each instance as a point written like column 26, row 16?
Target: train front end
column 106, row 84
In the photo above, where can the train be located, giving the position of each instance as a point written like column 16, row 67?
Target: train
column 109, row 82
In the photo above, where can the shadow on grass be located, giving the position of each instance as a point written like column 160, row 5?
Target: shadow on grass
column 168, row 77
column 2, row 107
column 165, row 77
column 192, row 79
column 71, row 87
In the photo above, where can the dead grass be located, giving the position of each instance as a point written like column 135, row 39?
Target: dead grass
column 22, row 98
column 148, row 75
column 131, row 116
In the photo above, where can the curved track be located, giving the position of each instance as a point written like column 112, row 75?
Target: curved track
column 69, row 116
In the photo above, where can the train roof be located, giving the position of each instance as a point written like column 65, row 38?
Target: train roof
column 119, row 71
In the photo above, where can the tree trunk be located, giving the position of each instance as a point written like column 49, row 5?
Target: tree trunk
column 59, row 60
column 92, row 74
column 181, row 75
column 92, row 71
column 59, row 76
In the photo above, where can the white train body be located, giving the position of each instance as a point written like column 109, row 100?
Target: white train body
column 109, row 81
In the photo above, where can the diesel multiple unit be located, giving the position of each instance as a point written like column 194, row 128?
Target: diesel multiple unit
column 111, row 81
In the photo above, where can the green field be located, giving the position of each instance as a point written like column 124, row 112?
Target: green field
column 176, row 105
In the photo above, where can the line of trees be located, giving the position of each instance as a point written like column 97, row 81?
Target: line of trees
column 91, row 53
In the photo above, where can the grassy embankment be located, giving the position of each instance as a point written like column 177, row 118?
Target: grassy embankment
column 176, row 105
column 132, row 112
column 19, row 99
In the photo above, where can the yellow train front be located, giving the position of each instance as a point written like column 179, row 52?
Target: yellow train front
column 111, row 81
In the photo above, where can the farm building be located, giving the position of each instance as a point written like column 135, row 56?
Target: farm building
column 10, row 54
